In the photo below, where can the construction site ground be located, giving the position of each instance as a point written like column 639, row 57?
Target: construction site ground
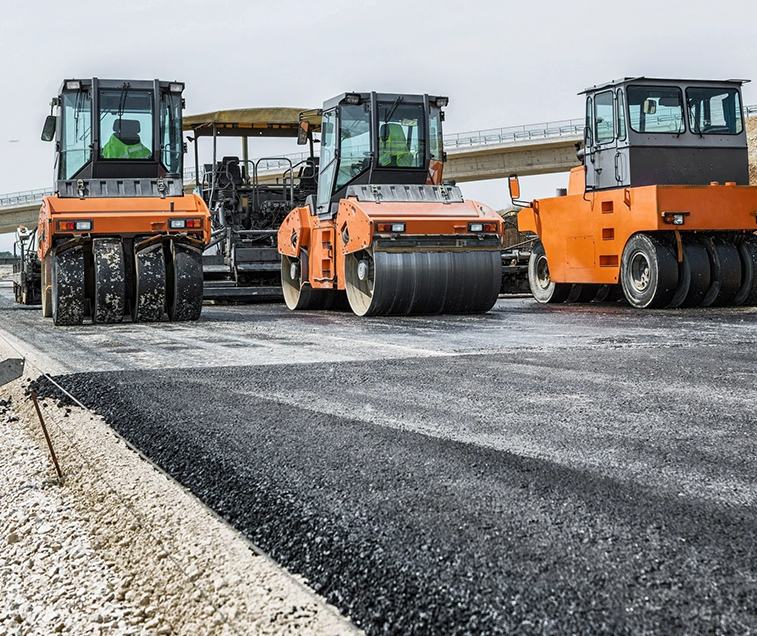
column 538, row 469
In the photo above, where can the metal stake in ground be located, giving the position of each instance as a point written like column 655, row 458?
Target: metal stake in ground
column 47, row 437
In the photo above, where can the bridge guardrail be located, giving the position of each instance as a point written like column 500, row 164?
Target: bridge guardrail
column 463, row 140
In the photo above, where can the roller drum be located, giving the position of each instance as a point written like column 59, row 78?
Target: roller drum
column 422, row 282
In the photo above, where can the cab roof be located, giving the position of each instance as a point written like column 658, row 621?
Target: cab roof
column 629, row 80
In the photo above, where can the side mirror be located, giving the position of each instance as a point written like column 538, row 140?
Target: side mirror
column 514, row 185
column 650, row 106
column 48, row 131
column 303, row 132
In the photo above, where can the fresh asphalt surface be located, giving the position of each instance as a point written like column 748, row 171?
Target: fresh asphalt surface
column 564, row 469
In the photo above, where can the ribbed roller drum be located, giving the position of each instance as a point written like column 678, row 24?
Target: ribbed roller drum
column 422, row 282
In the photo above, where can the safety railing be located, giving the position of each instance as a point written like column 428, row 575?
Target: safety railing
column 453, row 141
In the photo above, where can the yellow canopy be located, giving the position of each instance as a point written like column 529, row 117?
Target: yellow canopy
column 240, row 122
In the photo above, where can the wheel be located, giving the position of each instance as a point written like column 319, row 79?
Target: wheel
column 730, row 272
column 298, row 294
column 648, row 272
column 583, row 293
column 68, row 297
column 109, row 300
column 609, row 294
column 747, row 294
column 149, row 297
column 46, row 284
column 543, row 289
column 405, row 283
column 696, row 271
column 185, row 283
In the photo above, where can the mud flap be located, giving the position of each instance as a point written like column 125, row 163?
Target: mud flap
column 109, row 302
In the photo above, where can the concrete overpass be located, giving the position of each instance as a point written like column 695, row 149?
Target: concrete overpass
column 472, row 156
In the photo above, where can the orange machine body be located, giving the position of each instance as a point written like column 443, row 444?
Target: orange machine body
column 359, row 225
column 122, row 217
column 584, row 233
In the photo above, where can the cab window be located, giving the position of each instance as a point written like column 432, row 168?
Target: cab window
column 354, row 142
column 171, row 144
column 621, row 116
column 714, row 111
column 76, row 136
column 328, row 159
column 401, row 135
column 435, row 133
column 655, row 109
column 604, row 117
column 126, row 124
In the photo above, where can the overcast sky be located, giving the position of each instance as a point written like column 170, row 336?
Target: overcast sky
column 502, row 63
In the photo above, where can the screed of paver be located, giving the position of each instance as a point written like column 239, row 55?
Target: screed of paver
column 120, row 548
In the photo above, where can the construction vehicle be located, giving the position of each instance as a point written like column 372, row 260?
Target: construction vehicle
column 660, row 209
column 26, row 267
column 119, row 236
column 382, row 228
column 248, row 199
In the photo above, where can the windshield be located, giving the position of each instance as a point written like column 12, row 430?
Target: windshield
column 171, row 144
column 655, row 109
column 126, row 124
column 401, row 135
column 76, row 136
column 714, row 111
column 354, row 143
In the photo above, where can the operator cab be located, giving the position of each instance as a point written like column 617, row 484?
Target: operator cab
column 134, row 147
column 641, row 131
column 378, row 138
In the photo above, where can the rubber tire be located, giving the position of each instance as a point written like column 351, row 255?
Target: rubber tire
column 109, row 300
column 46, row 285
column 747, row 294
column 663, row 272
column 582, row 293
column 299, row 295
column 185, row 283
column 68, row 297
column 149, row 297
column 697, row 262
column 553, row 292
column 730, row 272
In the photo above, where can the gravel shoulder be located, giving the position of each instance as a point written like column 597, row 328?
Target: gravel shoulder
column 120, row 548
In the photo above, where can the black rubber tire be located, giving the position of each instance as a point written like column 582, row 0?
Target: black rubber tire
column 730, row 272
column 68, row 297
column 582, row 293
column 608, row 294
column 109, row 298
column 299, row 295
column 46, row 282
column 149, row 297
column 697, row 262
column 185, row 285
column 747, row 294
column 543, row 289
column 405, row 283
column 648, row 272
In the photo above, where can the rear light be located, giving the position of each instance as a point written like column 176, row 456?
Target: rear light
column 395, row 228
column 185, row 224
column 482, row 227
column 74, row 226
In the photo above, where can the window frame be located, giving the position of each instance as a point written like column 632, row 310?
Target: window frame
column 63, row 162
column 725, row 89
column 422, row 129
column 658, row 87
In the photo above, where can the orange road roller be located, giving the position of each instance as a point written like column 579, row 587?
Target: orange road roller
column 119, row 236
column 660, row 209
column 382, row 229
